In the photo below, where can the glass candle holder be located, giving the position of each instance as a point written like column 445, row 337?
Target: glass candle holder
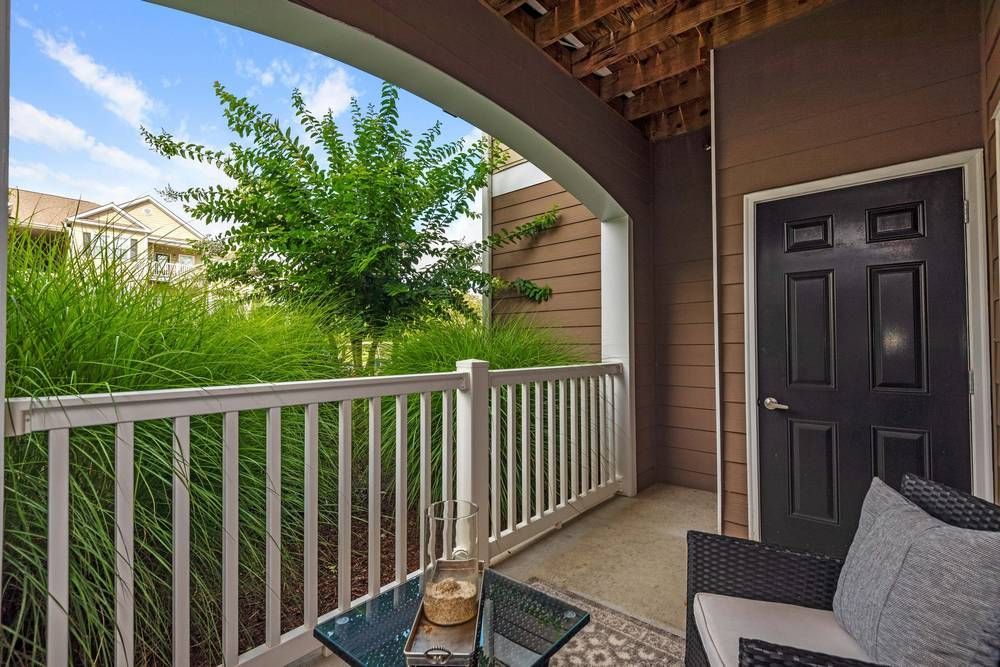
column 451, row 581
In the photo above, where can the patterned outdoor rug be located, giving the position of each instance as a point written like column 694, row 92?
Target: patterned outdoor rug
column 612, row 637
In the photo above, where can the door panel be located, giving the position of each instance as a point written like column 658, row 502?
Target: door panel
column 809, row 305
column 813, row 470
column 898, row 321
column 861, row 329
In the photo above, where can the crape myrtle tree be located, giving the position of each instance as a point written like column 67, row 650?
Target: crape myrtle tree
column 357, row 223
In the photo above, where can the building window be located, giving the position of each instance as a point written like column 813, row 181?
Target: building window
column 133, row 251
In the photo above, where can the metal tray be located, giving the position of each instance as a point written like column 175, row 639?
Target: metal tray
column 430, row 644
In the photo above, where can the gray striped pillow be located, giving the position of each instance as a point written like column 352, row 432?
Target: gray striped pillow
column 917, row 591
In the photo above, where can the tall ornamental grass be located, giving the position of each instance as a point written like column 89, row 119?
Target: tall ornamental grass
column 81, row 324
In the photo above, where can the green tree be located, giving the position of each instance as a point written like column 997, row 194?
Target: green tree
column 359, row 222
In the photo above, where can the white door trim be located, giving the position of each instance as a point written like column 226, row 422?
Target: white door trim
column 971, row 163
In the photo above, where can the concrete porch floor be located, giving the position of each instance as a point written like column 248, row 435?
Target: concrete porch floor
column 629, row 554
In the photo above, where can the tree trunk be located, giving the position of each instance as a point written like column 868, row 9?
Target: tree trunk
column 357, row 350
column 372, row 355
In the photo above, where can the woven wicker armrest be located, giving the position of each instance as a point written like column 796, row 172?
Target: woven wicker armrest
column 746, row 569
column 758, row 653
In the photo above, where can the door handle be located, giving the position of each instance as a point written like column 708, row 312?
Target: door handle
column 771, row 403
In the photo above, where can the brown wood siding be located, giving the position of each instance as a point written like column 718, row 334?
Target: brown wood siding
column 567, row 258
column 991, row 97
column 682, row 275
column 860, row 85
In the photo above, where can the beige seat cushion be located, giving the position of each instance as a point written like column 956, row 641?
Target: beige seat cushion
column 722, row 620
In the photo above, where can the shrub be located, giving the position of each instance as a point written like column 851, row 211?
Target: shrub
column 506, row 343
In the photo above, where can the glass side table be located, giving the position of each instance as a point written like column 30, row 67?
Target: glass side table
column 528, row 626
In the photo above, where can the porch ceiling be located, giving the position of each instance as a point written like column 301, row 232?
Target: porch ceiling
column 648, row 59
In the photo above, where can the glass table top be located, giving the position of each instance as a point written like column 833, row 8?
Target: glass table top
column 528, row 626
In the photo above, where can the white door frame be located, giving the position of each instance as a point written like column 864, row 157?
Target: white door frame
column 971, row 163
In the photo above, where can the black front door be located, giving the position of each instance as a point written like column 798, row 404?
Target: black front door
column 862, row 345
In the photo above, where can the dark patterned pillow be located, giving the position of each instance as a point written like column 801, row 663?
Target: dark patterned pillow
column 917, row 591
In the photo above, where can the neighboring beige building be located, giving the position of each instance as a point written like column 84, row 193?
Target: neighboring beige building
column 142, row 229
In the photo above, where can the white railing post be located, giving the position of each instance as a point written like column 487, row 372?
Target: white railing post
column 472, row 445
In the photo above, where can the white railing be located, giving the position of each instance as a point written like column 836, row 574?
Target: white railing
column 533, row 447
column 166, row 271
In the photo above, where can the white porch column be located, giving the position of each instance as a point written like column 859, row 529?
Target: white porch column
column 4, row 159
column 617, row 336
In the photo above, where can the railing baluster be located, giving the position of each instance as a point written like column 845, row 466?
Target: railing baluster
column 272, row 598
column 539, row 435
column 584, row 436
column 344, row 509
column 562, row 443
column 511, row 464
column 425, row 471
column 551, row 472
column 310, row 547
column 614, row 431
column 230, row 538
column 182, row 541
column 525, row 435
column 401, row 474
column 125, row 544
column 57, row 632
column 595, row 435
column 374, row 496
column 447, row 446
column 607, row 415
column 446, row 459
column 574, row 440
column 495, row 462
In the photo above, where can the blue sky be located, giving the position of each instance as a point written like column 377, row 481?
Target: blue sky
column 86, row 75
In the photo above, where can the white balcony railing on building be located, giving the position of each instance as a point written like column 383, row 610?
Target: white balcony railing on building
column 533, row 447
column 164, row 272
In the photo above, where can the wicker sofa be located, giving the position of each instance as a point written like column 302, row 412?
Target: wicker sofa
column 745, row 569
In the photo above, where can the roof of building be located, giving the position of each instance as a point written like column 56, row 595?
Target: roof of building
column 39, row 208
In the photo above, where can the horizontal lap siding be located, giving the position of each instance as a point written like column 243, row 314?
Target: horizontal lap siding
column 860, row 85
column 567, row 258
column 685, row 351
column 990, row 99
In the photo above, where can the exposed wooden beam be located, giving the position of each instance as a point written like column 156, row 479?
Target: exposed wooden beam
column 688, row 117
column 652, row 29
column 504, row 7
column 686, row 56
column 668, row 94
column 570, row 15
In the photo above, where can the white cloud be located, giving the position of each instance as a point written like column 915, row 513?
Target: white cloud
column 278, row 70
column 466, row 230
column 472, row 137
column 42, row 178
column 122, row 94
column 333, row 93
column 31, row 124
